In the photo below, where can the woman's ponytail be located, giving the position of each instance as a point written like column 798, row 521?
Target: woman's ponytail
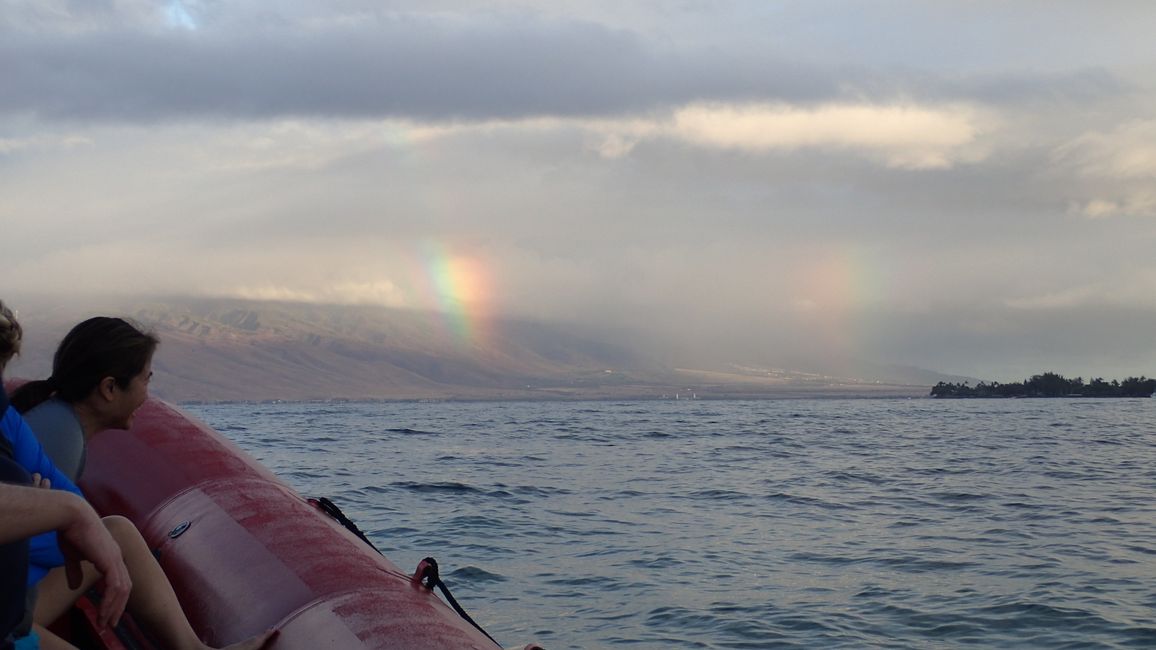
column 31, row 395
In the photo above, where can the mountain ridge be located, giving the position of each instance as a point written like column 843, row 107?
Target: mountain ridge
column 224, row 349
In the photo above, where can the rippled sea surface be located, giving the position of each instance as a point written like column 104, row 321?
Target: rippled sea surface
column 793, row 523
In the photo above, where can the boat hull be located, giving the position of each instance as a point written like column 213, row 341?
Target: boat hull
column 246, row 553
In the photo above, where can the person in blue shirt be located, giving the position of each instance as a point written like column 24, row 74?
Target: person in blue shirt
column 109, row 362
column 26, row 511
column 13, row 547
column 43, row 551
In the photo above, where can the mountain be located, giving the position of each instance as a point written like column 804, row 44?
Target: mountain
column 227, row 349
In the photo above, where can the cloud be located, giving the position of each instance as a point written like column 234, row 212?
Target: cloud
column 128, row 62
column 40, row 143
column 1065, row 299
column 1134, row 287
column 1126, row 152
column 342, row 293
column 738, row 175
column 1116, row 168
column 1137, row 202
column 425, row 67
column 904, row 136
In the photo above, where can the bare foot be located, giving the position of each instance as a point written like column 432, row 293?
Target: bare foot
column 256, row 643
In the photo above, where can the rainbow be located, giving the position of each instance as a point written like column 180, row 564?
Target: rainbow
column 459, row 287
column 842, row 285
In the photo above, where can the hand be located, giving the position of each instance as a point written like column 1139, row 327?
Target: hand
column 86, row 538
column 39, row 481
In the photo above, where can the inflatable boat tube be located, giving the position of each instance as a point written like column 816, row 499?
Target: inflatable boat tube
column 246, row 553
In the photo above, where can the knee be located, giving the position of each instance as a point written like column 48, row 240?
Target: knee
column 122, row 530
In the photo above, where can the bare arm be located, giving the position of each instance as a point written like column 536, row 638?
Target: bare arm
column 26, row 511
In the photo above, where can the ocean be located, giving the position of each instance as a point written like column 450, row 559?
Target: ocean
column 887, row 523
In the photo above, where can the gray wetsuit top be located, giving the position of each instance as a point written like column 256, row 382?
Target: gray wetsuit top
column 59, row 432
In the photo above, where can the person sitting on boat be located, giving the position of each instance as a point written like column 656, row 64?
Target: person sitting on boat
column 26, row 513
column 101, row 372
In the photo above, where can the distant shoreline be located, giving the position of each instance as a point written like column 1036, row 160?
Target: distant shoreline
column 1048, row 385
column 913, row 392
column 1044, row 397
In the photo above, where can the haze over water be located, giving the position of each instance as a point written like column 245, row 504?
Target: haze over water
column 795, row 523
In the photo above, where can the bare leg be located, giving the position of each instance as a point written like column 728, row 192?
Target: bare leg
column 49, row 641
column 153, row 603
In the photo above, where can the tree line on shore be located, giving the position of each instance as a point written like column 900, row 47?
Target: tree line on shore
column 1050, row 384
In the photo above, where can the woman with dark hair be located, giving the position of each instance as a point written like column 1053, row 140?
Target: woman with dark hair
column 100, row 377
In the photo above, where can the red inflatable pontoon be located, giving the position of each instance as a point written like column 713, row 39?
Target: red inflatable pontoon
column 246, row 553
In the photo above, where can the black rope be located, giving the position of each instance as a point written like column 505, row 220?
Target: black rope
column 428, row 567
column 331, row 509
column 431, row 579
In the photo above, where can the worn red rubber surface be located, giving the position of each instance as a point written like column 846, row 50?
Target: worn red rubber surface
column 254, row 554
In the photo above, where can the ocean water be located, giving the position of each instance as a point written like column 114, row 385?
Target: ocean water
column 750, row 524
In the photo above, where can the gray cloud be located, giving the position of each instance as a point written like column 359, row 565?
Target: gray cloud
column 119, row 67
column 834, row 188
column 418, row 68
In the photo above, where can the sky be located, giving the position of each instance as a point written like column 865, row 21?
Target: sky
column 968, row 187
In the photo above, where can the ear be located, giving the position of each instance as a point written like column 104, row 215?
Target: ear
column 107, row 388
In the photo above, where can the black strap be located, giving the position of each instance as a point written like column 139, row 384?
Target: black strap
column 430, row 578
column 428, row 568
column 331, row 509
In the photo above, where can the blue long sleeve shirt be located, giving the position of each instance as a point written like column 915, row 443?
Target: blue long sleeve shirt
column 43, row 551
